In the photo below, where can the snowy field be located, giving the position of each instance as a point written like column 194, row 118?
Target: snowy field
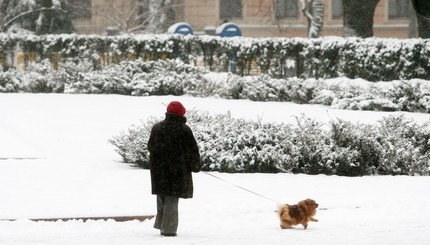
column 55, row 161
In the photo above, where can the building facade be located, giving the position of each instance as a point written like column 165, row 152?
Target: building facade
column 256, row 18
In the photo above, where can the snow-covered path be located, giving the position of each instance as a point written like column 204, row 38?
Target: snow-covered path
column 77, row 173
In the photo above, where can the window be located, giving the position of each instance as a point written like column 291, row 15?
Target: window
column 286, row 9
column 398, row 9
column 81, row 9
column 230, row 9
column 336, row 9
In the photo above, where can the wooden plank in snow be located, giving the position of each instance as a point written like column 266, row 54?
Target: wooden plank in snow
column 84, row 219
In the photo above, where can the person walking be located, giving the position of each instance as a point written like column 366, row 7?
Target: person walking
column 174, row 155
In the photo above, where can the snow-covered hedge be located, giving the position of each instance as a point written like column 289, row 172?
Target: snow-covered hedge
column 394, row 146
column 172, row 77
column 136, row 77
column 372, row 59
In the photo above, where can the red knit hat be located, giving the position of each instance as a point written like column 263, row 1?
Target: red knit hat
column 175, row 107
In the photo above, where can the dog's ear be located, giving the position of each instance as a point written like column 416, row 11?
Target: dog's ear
column 310, row 202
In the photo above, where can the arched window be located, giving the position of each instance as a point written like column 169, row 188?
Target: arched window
column 286, row 9
column 336, row 9
column 398, row 9
column 230, row 9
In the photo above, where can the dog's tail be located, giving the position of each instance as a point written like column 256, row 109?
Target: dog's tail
column 284, row 210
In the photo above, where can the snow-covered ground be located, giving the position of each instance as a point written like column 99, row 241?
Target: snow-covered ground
column 55, row 161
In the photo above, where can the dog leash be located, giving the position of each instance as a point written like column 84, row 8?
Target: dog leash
column 253, row 192
column 240, row 187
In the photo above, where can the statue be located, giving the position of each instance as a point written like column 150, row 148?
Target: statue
column 314, row 12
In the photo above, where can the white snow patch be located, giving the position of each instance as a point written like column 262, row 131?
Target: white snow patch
column 81, row 175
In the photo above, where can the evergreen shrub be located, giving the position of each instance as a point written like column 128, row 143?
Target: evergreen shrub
column 372, row 59
column 393, row 146
column 173, row 77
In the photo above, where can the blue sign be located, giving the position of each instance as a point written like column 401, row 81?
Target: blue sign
column 228, row 29
column 180, row 28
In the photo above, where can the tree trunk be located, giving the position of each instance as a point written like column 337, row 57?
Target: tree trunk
column 358, row 17
column 423, row 26
column 422, row 8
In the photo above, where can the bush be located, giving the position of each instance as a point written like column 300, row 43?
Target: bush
column 357, row 147
column 141, row 78
column 244, row 147
column 8, row 82
column 394, row 146
column 131, row 145
column 406, row 146
column 372, row 59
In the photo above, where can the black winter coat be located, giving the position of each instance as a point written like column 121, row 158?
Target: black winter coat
column 174, row 154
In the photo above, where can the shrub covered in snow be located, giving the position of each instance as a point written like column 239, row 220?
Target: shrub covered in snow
column 173, row 77
column 8, row 82
column 131, row 144
column 372, row 59
column 136, row 77
column 395, row 146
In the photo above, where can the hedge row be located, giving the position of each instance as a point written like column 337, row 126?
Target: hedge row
column 394, row 146
column 142, row 78
column 372, row 59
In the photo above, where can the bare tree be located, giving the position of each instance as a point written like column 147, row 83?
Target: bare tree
column 146, row 16
column 40, row 17
column 4, row 26
column 271, row 11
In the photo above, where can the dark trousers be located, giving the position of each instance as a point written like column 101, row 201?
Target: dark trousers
column 167, row 214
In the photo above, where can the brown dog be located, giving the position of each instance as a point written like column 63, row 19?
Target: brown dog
column 300, row 213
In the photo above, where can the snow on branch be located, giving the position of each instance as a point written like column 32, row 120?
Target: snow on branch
column 5, row 25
